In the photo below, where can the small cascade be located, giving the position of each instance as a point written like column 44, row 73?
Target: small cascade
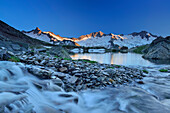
column 28, row 93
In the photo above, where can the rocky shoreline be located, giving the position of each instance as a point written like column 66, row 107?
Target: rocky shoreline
column 76, row 75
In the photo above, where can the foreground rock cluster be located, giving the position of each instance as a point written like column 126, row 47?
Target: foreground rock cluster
column 76, row 75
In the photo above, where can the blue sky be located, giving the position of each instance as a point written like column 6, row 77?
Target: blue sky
column 78, row 17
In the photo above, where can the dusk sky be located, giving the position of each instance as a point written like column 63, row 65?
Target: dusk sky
column 73, row 18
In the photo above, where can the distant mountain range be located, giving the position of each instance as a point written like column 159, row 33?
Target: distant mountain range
column 95, row 39
column 111, row 40
column 89, row 40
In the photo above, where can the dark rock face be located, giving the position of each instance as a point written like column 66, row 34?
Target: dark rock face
column 160, row 61
column 159, row 49
column 143, row 34
column 37, row 31
column 14, row 40
column 124, row 48
column 97, row 34
column 112, row 45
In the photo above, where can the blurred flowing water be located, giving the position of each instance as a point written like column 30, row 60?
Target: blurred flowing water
column 22, row 92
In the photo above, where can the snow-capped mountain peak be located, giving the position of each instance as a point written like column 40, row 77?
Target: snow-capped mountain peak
column 143, row 34
column 106, row 40
column 49, row 37
column 95, row 38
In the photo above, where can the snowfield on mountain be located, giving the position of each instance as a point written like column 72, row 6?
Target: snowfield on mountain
column 127, row 40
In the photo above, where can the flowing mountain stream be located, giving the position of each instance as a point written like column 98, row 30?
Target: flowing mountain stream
column 22, row 92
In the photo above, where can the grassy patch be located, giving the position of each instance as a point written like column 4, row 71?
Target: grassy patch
column 118, row 66
column 74, row 60
column 139, row 49
column 58, row 57
column 14, row 59
column 111, row 67
column 89, row 61
column 62, row 58
column 67, row 59
column 145, row 71
column 163, row 70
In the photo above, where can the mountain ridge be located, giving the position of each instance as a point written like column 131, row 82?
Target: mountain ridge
column 87, row 40
column 37, row 30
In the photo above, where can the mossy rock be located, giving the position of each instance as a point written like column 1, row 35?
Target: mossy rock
column 145, row 71
column 14, row 59
column 163, row 70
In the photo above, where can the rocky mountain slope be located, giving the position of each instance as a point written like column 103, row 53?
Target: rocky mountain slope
column 9, row 33
column 95, row 39
column 17, row 42
column 158, row 49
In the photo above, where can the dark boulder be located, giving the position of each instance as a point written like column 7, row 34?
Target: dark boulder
column 158, row 49
column 124, row 48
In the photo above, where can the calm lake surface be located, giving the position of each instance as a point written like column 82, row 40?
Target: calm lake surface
column 116, row 58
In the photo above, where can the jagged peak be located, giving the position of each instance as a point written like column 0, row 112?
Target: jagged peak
column 37, row 31
column 141, row 32
column 96, row 34
column 100, row 32
column 37, row 28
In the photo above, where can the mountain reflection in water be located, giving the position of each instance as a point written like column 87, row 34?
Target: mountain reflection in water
column 115, row 58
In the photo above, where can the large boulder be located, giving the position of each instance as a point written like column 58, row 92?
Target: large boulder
column 158, row 49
